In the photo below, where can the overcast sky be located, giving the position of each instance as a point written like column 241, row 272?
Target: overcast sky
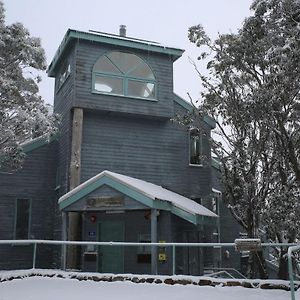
column 164, row 21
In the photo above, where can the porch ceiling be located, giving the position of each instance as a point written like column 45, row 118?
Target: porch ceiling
column 147, row 193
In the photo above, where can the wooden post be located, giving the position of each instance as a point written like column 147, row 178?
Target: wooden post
column 75, row 168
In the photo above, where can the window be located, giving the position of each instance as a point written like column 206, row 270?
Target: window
column 144, row 252
column 195, row 147
column 22, row 216
column 64, row 74
column 215, row 205
column 121, row 73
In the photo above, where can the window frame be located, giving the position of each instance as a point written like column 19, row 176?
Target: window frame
column 16, row 218
column 200, row 164
column 65, row 73
column 125, row 77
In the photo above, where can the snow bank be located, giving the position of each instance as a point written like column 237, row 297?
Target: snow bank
column 6, row 276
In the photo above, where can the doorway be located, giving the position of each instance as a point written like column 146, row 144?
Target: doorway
column 110, row 258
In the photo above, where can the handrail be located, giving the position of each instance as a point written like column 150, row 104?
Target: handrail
column 292, row 247
column 160, row 244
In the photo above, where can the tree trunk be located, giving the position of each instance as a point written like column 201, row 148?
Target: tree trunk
column 283, row 272
column 257, row 267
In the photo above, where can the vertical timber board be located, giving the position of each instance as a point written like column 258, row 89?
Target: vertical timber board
column 75, row 164
column 73, row 258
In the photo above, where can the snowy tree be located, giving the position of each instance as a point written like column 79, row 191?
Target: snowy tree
column 252, row 90
column 23, row 114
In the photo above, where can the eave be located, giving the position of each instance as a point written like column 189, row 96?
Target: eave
column 125, row 42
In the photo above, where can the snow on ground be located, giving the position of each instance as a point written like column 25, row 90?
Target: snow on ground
column 43, row 288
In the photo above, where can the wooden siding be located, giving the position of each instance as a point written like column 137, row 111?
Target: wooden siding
column 151, row 150
column 35, row 181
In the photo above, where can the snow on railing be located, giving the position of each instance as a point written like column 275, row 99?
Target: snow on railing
column 292, row 248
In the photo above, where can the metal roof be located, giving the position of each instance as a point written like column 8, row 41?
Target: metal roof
column 150, row 194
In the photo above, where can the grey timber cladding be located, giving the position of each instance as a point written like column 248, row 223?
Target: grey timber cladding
column 63, row 103
column 162, row 66
column 153, row 150
column 35, row 181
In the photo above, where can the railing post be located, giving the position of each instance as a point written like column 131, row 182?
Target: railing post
column 291, row 276
column 34, row 256
column 173, row 259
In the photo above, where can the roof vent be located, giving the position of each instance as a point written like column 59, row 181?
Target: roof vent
column 122, row 31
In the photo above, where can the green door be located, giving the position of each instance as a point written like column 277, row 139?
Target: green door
column 110, row 258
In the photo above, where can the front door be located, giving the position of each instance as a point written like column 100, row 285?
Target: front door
column 110, row 258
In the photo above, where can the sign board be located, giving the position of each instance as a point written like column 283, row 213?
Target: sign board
column 105, row 201
column 247, row 244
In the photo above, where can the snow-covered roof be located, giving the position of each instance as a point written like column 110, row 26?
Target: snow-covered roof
column 147, row 189
column 38, row 142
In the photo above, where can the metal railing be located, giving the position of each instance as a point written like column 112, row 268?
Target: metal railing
column 292, row 248
column 290, row 265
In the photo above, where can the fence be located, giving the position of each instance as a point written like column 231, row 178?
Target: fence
column 290, row 265
column 292, row 248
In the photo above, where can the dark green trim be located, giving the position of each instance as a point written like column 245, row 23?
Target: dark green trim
column 132, row 193
column 205, row 220
column 189, row 107
column 71, row 34
column 38, row 143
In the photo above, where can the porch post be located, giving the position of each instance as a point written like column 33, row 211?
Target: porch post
column 64, row 238
column 153, row 240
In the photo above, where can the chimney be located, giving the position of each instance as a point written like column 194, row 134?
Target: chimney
column 122, row 30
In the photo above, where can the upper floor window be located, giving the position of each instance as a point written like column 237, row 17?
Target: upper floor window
column 64, row 74
column 195, row 147
column 126, row 74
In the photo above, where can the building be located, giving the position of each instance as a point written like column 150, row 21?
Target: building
column 120, row 168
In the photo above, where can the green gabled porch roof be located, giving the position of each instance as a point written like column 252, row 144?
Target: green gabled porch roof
column 147, row 193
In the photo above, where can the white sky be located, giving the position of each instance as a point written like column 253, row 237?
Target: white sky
column 164, row 21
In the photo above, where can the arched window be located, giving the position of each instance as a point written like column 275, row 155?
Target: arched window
column 126, row 74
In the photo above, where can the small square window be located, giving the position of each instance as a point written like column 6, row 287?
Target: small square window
column 110, row 85
column 141, row 89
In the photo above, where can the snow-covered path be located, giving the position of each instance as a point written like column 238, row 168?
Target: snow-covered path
column 42, row 288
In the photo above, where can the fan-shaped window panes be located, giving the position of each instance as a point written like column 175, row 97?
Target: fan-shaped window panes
column 122, row 73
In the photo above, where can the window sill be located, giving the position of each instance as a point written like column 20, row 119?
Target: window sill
column 197, row 166
column 125, row 96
